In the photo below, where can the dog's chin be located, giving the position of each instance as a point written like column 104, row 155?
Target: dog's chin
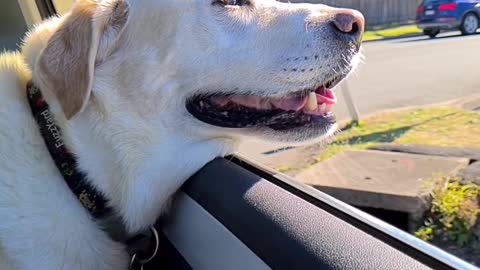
column 299, row 117
column 295, row 137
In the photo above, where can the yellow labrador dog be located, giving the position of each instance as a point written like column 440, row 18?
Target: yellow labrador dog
column 136, row 96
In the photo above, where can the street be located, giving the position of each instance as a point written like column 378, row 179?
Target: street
column 407, row 72
column 414, row 71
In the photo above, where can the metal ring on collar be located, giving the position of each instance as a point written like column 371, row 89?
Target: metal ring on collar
column 133, row 260
column 155, row 250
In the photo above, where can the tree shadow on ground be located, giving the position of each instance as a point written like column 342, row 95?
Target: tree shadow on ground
column 387, row 136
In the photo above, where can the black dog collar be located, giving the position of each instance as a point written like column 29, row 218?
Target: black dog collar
column 142, row 247
column 91, row 199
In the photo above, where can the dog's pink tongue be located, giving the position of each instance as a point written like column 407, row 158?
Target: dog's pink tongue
column 325, row 95
column 290, row 104
column 286, row 104
column 252, row 102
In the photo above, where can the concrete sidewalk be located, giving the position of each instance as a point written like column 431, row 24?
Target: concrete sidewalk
column 379, row 179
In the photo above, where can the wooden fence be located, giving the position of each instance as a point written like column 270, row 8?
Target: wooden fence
column 377, row 12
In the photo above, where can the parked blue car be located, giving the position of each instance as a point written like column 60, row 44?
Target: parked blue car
column 436, row 15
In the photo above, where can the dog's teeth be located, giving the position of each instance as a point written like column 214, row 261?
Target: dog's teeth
column 311, row 102
column 323, row 108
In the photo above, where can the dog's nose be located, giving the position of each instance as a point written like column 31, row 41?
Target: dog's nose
column 349, row 24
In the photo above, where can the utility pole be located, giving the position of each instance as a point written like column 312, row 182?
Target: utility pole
column 354, row 114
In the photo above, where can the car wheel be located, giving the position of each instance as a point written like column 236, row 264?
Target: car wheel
column 431, row 32
column 469, row 24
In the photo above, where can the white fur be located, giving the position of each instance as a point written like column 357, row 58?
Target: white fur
column 134, row 138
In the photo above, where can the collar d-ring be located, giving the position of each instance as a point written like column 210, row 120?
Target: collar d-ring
column 136, row 261
column 155, row 250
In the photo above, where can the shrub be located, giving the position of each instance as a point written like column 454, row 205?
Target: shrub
column 453, row 213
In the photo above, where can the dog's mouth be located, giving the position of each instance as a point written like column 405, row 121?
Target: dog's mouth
column 305, row 108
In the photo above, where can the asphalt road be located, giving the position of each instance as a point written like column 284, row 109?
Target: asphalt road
column 414, row 71
column 407, row 72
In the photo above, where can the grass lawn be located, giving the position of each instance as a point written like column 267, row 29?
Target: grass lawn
column 391, row 32
column 441, row 126
column 436, row 126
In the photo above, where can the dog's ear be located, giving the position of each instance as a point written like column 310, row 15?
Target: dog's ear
column 87, row 36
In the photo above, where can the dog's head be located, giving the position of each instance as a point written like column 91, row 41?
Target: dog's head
column 205, row 68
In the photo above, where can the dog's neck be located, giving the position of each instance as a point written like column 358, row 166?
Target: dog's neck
column 138, row 172
column 136, row 161
column 138, row 164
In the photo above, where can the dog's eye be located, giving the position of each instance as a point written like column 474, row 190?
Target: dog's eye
column 231, row 2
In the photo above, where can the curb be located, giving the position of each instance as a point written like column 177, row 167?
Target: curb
column 393, row 38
